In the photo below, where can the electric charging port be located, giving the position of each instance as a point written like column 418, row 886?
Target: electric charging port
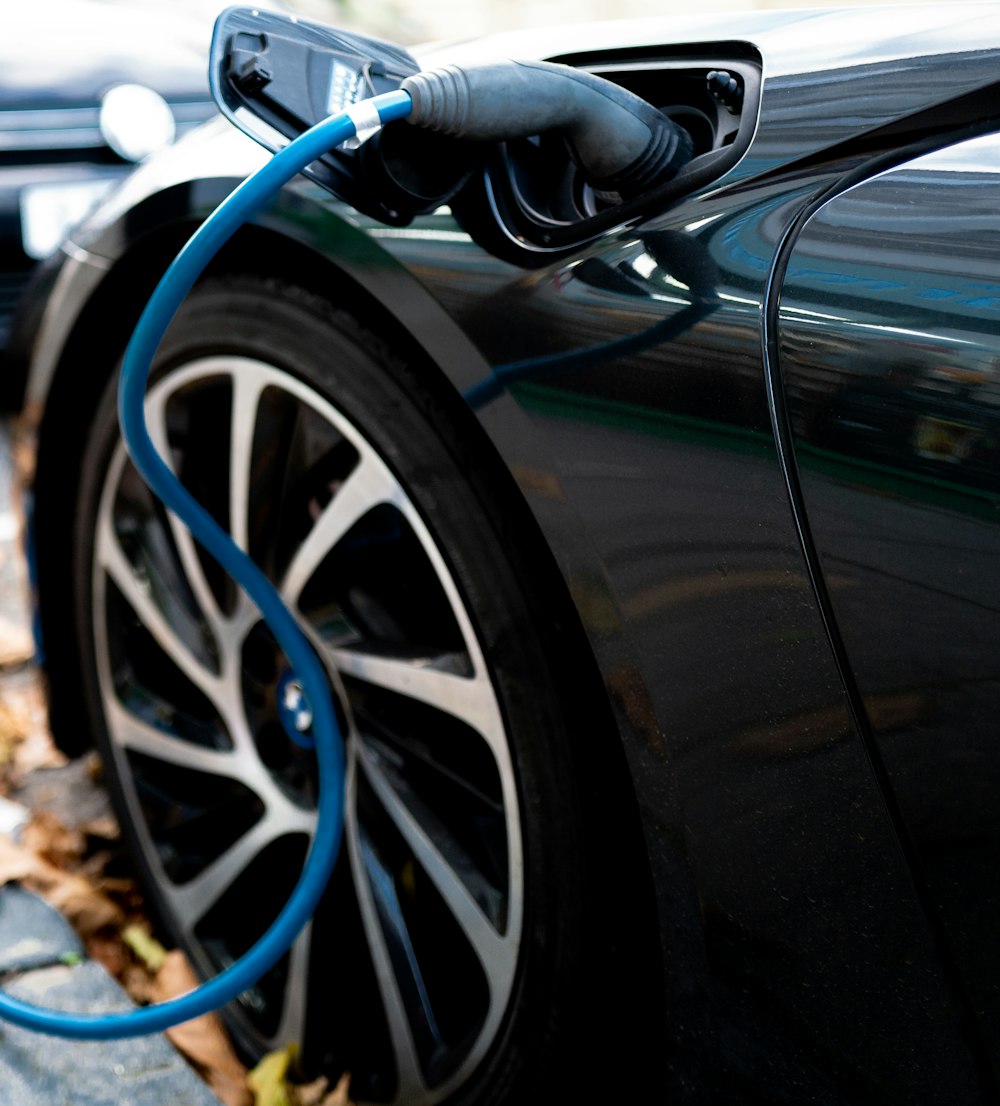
column 531, row 204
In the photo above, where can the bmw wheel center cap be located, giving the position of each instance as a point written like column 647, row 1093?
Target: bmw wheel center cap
column 295, row 710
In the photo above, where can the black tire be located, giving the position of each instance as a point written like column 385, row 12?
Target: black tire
column 411, row 619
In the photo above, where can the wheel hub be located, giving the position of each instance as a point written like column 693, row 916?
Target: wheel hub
column 295, row 710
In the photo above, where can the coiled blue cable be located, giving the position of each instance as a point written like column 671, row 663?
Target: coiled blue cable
column 166, row 299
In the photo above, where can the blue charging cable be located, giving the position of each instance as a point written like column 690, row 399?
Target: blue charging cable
column 358, row 120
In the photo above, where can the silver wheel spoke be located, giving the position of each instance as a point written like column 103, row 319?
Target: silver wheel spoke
column 292, row 1026
column 193, row 900
column 137, row 735
column 410, row 1081
column 156, row 406
column 240, row 764
column 248, row 385
column 116, row 564
column 367, row 486
column 469, row 698
column 496, row 954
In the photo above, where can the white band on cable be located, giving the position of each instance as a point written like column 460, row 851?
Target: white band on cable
column 366, row 123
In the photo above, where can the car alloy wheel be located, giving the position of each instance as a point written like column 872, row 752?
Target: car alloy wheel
column 412, row 973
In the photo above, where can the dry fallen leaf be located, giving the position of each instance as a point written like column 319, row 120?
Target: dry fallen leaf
column 202, row 1040
column 16, row 644
column 319, row 1093
column 85, row 907
column 268, row 1080
column 15, row 863
column 52, row 840
column 10, row 735
column 25, row 741
column 105, row 828
column 312, row 1094
column 109, row 951
column 139, row 984
column 24, row 738
column 123, row 892
column 145, row 946
column 339, row 1096
column 271, row 1087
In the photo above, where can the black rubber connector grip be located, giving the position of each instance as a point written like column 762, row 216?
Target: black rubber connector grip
column 621, row 143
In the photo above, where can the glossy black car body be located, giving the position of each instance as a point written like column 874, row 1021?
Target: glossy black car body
column 60, row 59
column 752, row 436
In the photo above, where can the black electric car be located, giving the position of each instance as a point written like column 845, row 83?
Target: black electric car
column 649, row 538
column 87, row 89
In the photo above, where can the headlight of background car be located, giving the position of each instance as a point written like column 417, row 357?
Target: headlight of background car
column 136, row 121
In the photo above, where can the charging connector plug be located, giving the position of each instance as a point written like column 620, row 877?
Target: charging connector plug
column 620, row 143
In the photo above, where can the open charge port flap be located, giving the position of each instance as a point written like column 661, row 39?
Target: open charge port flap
column 536, row 199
